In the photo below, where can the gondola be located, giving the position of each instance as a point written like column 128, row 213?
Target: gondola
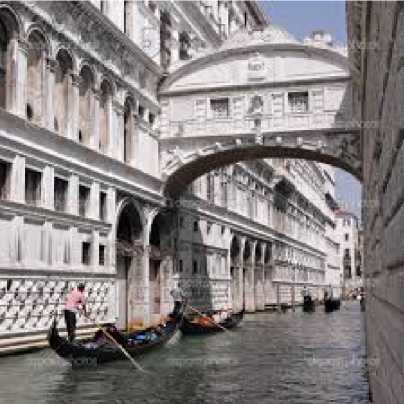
column 91, row 352
column 308, row 304
column 190, row 328
column 331, row 304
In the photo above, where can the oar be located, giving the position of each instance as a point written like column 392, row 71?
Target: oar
column 124, row 351
column 203, row 315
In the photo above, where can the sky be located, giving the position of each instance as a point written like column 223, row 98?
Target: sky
column 300, row 18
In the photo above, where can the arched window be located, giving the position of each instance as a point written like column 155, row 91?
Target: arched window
column 36, row 76
column 105, row 115
column 128, row 131
column 85, row 105
column 61, row 90
column 8, row 31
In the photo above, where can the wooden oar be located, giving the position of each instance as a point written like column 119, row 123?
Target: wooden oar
column 211, row 320
column 124, row 351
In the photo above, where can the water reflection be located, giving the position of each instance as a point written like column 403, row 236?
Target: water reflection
column 292, row 358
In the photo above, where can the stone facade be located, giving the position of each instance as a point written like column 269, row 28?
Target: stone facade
column 376, row 39
column 83, row 122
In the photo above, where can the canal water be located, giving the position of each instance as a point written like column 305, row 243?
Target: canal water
column 291, row 358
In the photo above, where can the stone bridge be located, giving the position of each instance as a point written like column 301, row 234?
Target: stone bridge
column 263, row 94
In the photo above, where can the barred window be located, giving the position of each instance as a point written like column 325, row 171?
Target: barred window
column 298, row 102
column 220, row 107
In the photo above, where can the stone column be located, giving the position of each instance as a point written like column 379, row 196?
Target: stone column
column 239, row 275
column 94, row 205
column 47, row 243
column 134, row 141
column 227, row 263
column 73, row 195
column 16, row 243
column 138, row 288
column 249, row 293
column 75, row 247
column 109, row 148
column 110, row 218
column 116, row 137
column 16, row 76
column 73, row 106
column 48, row 112
column 270, row 292
column 95, row 132
column 47, row 194
column 95, row 249
column 259, row 282
column 17, row 180
column 166, row 272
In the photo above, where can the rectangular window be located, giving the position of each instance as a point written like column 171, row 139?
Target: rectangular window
column 346, row 236
column 220, row 107
column 32, row 187
column 180, row 266
column 101, row 254
column 298, row 102
column 85, row 253
column 84, row 196
column 60, row 194
column 195, row 267
column 103, row 206
column 5, row 169
column 196, row 226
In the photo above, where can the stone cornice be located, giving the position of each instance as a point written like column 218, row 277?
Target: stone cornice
column 38, row 213
column 250, row 87
column 41, row 144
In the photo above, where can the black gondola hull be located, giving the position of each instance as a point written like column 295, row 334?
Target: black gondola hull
column 189, row 328
column 78, row 353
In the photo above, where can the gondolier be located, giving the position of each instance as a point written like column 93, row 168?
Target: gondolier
column 305, row 292
column 75, row 302
column 179, row 298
